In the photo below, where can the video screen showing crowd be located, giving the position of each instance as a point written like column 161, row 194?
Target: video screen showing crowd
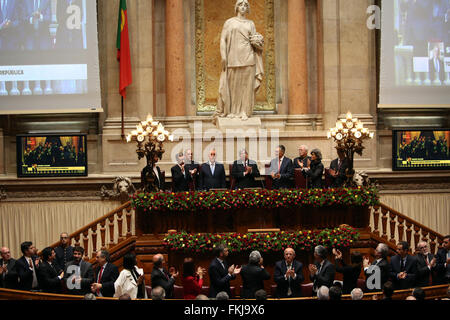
column 28, row 25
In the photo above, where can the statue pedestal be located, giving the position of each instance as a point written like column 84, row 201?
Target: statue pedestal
column 236, row 124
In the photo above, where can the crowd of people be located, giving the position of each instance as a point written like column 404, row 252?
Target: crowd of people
column 188, row 174
column 426, row 148
column 54, row 154
column 63, row 270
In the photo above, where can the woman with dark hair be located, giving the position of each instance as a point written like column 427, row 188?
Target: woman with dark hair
column 130, row 280
column 192, row 281
column 315, row 170
column 351, row 272
column 49, row 274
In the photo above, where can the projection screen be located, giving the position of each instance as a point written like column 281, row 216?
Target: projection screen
column 49, row 57
column 415, row 54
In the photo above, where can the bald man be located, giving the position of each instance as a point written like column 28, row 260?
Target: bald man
column 288, row 276
column 8, row 273
column 161, row 277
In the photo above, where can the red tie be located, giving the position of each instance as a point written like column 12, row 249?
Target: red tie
column 279, row 165
column 99, row 279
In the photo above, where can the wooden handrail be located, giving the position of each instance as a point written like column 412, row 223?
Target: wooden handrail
column 87, row 235
column 398, row 222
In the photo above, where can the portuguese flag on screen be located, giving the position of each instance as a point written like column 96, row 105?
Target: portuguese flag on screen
column 123, row 49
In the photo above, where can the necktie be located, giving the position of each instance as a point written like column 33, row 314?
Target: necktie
column 279, row 165
column 289, row 293
column 430, row 279
column 212, row 168
column 402, row 265
column 99, row 279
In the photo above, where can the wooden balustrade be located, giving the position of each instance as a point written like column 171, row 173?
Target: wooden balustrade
column 397, row 224
column 91, row 234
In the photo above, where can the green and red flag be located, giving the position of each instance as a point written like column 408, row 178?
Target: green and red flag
column 123, row 49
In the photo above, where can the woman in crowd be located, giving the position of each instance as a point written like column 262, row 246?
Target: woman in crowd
column 351, row 272
column 315, row 171
column 192, row 281
column 130, row 280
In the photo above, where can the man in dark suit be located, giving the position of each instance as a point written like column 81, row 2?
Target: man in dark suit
column 337, row 170
column 105, row 276
column 37, row 20
column 78, row 275
column 244, row 171
column 10, row 11
column 27, row 267
column 152, row 178
column 49, row 274
column 212, row 174
column 322, row 272
column 403, row 268
column 253, row 276
column 180, row 175
column 8, row 273
column 192, row 167
column 436, row 66
column 68, row 39
column 303, row 160
column 288, row 276
column 160, row 276
column 381, row 254
column 426, row 266
column 443, row 262
column 220, row 273
column 281, row 169
column 64, row 252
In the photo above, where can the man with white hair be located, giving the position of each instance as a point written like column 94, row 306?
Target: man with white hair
column 8, row 273
column 323, row 293
column 212, row 173
column 426, row 265
column 357, row 294
column 253, row 275
column 288, row 276
column 303, row 160
column 381, row 253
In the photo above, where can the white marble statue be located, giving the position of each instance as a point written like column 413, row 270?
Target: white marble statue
column 242, row 65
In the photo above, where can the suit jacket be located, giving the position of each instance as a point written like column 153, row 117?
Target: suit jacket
column 410, row 269
column 315, row 174
column 191, row 165
column 164, row 280
column 423, row 272
column 148, row 172
column 10, row 279
column 247, row 181
column 341, row 177
column 212, row 181
column 86, row 274
column 219, row 278
column 304, row 160
column 442, row 271
column 63, row 256
column 385, row 269
column 252, row 280
column 351, row 274
column 286, row 172
column 284, row 284
column 434, row 73
column 325, row 277
column 109, row 276
column 48, row 277
column 25, row 273
column 180, row 181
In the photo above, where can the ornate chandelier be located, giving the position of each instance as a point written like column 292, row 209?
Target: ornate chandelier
column 349, row 135
column 150, row 136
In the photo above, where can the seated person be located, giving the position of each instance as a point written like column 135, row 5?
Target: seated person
column 337, row 170
column 244, row 171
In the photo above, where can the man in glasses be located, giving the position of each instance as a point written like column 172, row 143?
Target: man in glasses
column 64, row 252
column 212, row 174
column 426, row 265
column 8, row 273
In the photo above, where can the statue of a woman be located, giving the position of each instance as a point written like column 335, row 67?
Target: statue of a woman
column 242, row 66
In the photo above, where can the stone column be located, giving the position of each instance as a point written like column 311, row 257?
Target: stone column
column 175, row 69
column 297, row 58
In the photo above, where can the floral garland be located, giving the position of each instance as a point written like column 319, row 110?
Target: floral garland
column 258, row 198
column 341, row 237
